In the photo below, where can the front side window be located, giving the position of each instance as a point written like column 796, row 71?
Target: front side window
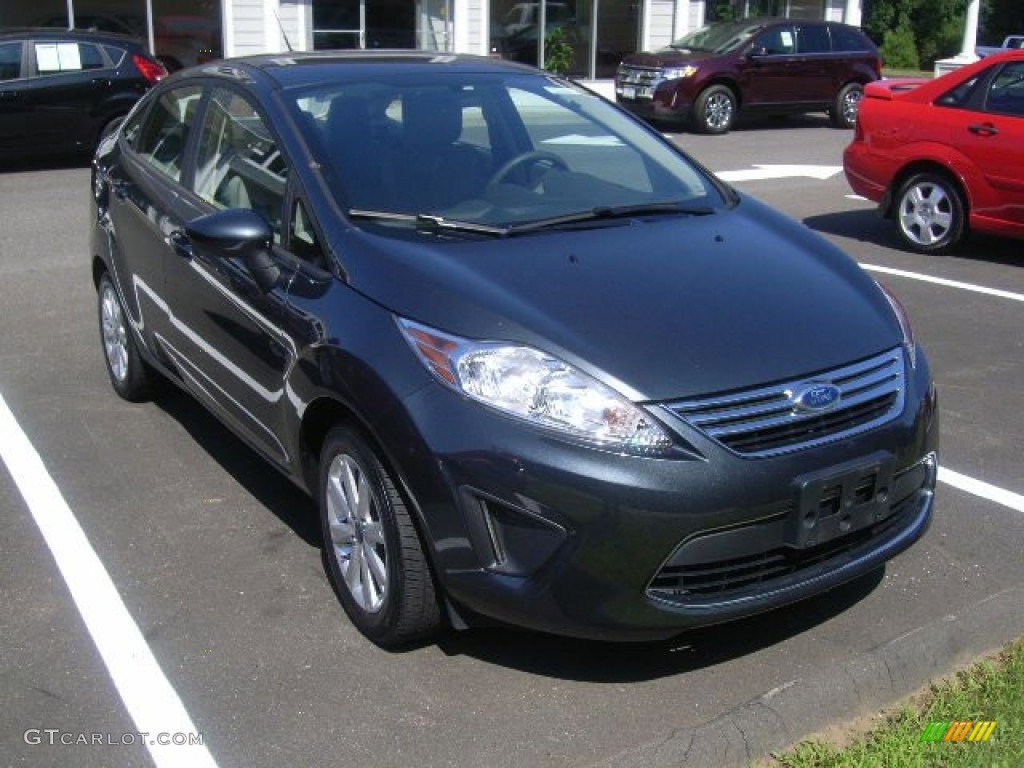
column 56, row 57
column 10, row 61
column 496, row 150
column 161, row 139
column 1006, row 93
column 777, row 41
column 238, row 164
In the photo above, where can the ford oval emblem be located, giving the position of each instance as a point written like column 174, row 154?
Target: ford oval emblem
column 816, row 397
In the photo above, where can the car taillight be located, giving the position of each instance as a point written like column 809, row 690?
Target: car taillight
column 150, row 69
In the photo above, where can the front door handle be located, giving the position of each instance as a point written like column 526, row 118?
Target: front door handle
column 8, row 95
column 983, row 129
column 180, row 244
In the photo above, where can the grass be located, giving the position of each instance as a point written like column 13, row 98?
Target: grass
column 988, row 690
column 907, row 73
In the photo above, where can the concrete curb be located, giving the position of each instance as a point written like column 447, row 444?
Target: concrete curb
column 862, row 685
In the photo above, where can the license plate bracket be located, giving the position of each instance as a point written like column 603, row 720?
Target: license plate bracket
column 840, row 500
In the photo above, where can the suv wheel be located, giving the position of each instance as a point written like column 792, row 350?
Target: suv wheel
column 714, row 110
column 129, row 375
column 844, row 109
column 373, row 551
column 930, row 213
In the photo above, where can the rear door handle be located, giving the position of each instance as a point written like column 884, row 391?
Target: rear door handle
column 8, row 95
column 983, row 129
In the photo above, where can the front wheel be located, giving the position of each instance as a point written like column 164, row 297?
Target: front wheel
column 714, row 111
column 930, row 214
column 373, row 550
column 846, row 104
column 129, row 375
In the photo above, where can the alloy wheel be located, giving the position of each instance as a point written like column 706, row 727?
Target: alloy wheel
column 115, row 334
column 718, row 111
column 926, row 214
column 356, row 533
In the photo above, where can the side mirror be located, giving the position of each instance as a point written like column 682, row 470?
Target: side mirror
column 238, row 233
column 757, row 51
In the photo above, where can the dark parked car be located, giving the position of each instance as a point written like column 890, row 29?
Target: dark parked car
column 60, row 90
column 774, row 66
column 534, row 362
column 944, row 157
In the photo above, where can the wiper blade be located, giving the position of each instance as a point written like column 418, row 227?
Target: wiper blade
column 429, row 223
column 603, row 212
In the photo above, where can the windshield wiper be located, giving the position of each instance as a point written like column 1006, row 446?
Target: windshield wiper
column 425, row 222
column 603, row 212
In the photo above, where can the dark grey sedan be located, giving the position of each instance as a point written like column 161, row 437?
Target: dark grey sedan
column 536, row 364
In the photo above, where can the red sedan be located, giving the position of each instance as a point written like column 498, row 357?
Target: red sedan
column 944, row 156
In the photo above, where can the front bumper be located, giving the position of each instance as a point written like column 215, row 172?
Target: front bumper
column 667, row 101
column 531, row 529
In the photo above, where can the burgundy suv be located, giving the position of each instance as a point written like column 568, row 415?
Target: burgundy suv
column 768, row 65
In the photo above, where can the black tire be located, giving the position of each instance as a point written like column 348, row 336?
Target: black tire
column 373, row 551
column 714, row 111
column 844, row 108
column 129, row 375
column 930, row 213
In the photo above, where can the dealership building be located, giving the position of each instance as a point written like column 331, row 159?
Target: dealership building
column 599, row 32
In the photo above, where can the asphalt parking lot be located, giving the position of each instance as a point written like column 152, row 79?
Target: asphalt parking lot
column 217, row 559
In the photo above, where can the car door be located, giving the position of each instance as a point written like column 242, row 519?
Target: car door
column 816, row 68
column 229, row 336
column 769, row 66
column 146, row 205
column 994, row 138
column 68, row 79
column 13, row 122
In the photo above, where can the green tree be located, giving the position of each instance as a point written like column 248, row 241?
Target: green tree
column 936, row 26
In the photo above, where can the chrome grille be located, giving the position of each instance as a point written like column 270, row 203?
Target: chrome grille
column 642, row 76
column 768, row 420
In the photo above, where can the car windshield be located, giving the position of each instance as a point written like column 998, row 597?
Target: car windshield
column 718, row 38
column 496, row 152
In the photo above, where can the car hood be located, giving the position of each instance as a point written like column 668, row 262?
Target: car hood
column 667, row 57
column 664, row 308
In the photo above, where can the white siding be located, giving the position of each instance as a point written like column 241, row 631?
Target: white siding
column 478, row 38
column 244, row 27
column 834, row 10
column 661, row 18
column 293, row 19
column 697, row 15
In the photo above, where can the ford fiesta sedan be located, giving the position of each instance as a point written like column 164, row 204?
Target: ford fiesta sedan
column 535, row 363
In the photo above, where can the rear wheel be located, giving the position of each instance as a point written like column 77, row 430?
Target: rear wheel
column 714, row 111
column 930, row 215
column 846, row 104
column 373, row 550
column 129, row 375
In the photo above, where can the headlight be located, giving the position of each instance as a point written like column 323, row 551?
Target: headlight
column 674, row 73
column 904, row 321
column 528, row 384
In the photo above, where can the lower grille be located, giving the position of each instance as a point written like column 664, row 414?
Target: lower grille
column 700, row 570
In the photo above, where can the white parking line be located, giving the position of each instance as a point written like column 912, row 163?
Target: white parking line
column 151, row 702
column 980, row 488
column 948, row 283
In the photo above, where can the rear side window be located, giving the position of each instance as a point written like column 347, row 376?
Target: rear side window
column 162, row 138
column 848, row 40
column 10, row 61
column 812, row 38
column 57, row 57
column 1006, row 93
column 116, row 54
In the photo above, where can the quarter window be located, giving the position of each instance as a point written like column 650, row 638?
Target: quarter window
column 163, row 136
column 239, row 164
column 848, row 40
column 10, row 61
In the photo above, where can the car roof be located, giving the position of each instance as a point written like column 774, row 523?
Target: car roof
column 55, row 33
column 300, row 68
